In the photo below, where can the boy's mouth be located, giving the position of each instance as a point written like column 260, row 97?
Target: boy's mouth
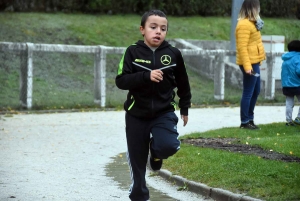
column 156, row 38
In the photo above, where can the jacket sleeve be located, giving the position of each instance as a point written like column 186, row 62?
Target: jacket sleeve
column 242, row 40
column 127, row 78
column 297, row 65
column 183, row 85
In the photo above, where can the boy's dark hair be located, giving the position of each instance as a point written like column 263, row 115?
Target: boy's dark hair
column 149, row 13
column 294, row 45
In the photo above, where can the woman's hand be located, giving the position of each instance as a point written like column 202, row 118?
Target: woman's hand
column 248, row 72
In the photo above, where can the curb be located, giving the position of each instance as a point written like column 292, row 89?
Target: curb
column 202, row 189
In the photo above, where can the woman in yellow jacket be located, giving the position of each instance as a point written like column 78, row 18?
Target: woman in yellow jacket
column 249, row 54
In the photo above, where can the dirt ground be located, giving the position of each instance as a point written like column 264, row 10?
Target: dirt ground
column 231, row 144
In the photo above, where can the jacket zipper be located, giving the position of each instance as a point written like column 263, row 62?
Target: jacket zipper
column 152, row 109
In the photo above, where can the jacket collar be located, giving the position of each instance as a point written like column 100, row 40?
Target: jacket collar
column 162, row 45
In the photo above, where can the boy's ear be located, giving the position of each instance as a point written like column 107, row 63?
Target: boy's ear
column 142, row 30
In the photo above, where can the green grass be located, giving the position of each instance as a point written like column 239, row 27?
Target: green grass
column 73, row 73
column 122, row 30
column 240, row 173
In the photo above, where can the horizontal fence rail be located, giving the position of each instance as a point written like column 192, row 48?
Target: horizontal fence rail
column 100, row 52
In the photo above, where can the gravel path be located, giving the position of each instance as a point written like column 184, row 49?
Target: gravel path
column 62, row 156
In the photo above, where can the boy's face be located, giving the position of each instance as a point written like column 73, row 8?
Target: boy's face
column 155, row 30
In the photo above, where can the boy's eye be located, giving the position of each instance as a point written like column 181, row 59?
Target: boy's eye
column 153, row 27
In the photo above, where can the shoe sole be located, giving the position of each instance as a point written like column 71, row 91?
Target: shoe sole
column 249, row 128
column 149, row 164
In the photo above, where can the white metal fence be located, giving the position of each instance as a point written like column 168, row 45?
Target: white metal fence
column 28, row 52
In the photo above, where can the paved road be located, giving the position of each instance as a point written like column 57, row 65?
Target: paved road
column 62, row 156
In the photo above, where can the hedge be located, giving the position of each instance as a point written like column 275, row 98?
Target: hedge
column 269, row 8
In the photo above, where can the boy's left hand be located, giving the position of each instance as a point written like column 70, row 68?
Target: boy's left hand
column 185, row 119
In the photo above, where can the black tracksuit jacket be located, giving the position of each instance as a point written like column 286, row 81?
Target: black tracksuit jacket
column 148, row 99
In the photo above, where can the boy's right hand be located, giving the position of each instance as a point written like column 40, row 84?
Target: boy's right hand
column 156, row 75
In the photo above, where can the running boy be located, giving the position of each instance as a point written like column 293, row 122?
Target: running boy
column 290, row 80
column 151, row 69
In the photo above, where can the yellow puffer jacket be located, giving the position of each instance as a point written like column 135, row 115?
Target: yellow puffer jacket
column 249, row 46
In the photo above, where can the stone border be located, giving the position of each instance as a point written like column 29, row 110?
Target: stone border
column 202, row 189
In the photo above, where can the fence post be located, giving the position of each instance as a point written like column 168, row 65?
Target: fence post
column 270, row 80
column 26, row 70
column 219, row 76
column 99, row 76
column 97, row 85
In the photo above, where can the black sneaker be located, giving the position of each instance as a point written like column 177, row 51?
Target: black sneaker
column 290, row 123
column 248, row 126
column 154, row 164
column 252, row 123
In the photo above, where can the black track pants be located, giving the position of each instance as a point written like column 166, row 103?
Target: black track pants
column 165, row 143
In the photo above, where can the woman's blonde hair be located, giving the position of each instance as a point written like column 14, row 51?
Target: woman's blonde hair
column 250, row 10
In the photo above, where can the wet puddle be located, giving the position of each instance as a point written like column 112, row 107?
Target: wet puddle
column 119, row 171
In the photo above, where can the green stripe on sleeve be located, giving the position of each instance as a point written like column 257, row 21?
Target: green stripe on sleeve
column 121, row 65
